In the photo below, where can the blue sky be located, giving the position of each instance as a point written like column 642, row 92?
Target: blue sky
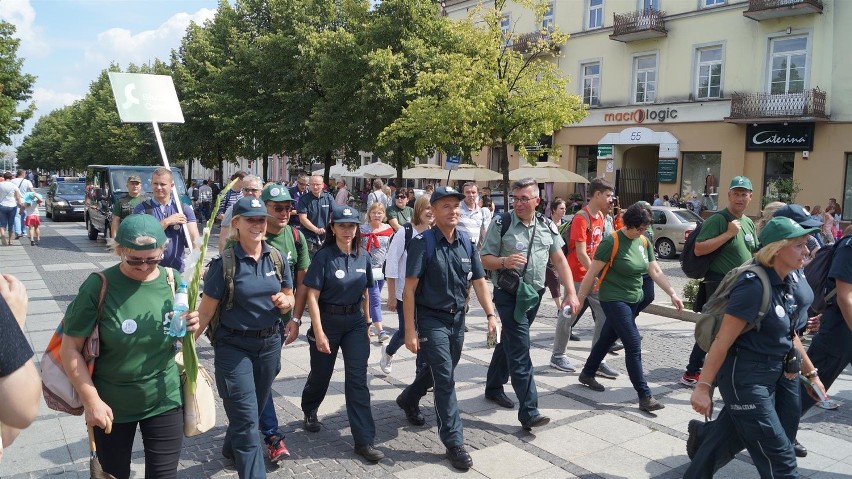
column 66, row 43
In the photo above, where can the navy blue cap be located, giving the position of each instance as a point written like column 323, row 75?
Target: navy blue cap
column 443, row 192
column 249, row 206
column 798, row 214
column 345, row 214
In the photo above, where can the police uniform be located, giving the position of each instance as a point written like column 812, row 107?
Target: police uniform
column 762, row 406
column 318, row 209
column 511, row 357
column 247, row 343
column 341, row 280
column 439, row 313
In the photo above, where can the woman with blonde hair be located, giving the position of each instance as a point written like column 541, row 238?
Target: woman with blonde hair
column 375, row 239
column 757, row 371
column 767, row 213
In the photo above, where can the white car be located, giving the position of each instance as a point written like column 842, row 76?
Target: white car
column 671, row 226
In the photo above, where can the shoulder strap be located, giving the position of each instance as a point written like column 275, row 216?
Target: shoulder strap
column 170, row 278
column 278, row 262
column 229, row 267
column 101, row 296
column 149, row 208
column 609, row 263
column 588, row 218
column 467, row 243
column 409, row 233
column 431, row 243
column 296, row 238
column 505, row 223
column 766, row 296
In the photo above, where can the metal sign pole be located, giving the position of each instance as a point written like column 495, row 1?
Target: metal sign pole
column 175, row 194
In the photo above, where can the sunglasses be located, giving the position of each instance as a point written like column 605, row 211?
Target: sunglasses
column 279, row 209
column 140, row 262
column 401, row 197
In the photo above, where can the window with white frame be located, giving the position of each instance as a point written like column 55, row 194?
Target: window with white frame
column 650, row 4
column 708, row 73
column 596, row 13
column 788, row 60
column 645, row 79
column 547, row 22
column 712, row 3
column 591, row 83
column 506, row 28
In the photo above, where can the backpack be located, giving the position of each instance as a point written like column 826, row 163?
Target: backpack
column 816, row 272
column 229, row 267
column 565, row 229
column 710, row 320
column 696, row 267
column 601, row 277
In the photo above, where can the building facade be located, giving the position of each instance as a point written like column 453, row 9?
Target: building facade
column 683, row 95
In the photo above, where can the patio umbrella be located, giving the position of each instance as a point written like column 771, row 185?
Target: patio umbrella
column 467, row 172
column 547, row 172
column 426, row 171
column 374, row 170
column 336, row 171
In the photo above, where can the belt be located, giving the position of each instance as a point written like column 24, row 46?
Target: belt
column 253, row 333
column 338, row 309
column 442, row 310
column 753, row 356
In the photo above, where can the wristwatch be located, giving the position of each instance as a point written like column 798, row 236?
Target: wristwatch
column 296, row 320
column 489, row 315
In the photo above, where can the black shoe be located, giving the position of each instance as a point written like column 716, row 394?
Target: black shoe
column 459, row 458
column 800, row 450
column 312, row 424
column 369, row 452
column 591, row 382
column 574, row 337
column 501, row 400
column 535, row 421
column 693, row 442
column 228, row 453
column 615, row 348
column 32, row 242
column 412, row 413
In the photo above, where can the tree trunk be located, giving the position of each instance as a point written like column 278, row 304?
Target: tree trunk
column 264, row 172
column 399, row 164
column 329, row 162
column 503, row 151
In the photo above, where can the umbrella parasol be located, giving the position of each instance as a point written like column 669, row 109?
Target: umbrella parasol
column 374, row 170
column 547, row 172
column 426, row 171
column 336, row 171
column 467, row 172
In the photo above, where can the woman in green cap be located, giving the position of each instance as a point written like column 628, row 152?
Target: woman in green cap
column 757, row 371
column 135, row 382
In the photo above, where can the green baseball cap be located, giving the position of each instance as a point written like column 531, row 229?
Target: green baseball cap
column 140, row 232
column 135, row 178
column 781, row 228
column 741, row 182
column 275, row 192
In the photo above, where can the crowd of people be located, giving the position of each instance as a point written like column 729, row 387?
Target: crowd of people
column 288, row 252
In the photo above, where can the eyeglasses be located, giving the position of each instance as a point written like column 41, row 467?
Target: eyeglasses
column 524, row 199
column 251, row 190
column 401, row 197
column 141, row 261
column 279, row 209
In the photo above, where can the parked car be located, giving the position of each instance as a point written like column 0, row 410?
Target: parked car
column 671, row 227
column 65, row 199
column 108, row 184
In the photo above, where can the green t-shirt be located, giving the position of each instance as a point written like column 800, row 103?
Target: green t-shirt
column 402, row 216
column 737, row 251
column 124, row 207
column 135, row 374
column 623, row 281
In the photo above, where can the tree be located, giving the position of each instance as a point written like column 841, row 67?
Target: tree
column 500, row 89
column 42, row 148
column 15, row 86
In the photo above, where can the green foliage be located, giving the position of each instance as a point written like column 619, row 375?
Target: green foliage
column 690, row 291
column 15, row 86
column 781, row 189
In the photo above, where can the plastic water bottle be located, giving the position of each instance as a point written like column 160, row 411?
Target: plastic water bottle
column 177, row 327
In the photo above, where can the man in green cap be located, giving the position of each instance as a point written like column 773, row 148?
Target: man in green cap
column 124, row 206
column 294, row 248
column 733, row 232
column 524, row 245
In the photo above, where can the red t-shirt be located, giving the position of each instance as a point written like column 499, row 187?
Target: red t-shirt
column 592, row 235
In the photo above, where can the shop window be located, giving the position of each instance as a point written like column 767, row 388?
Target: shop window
column 708, row 73
column 847, row 190
column 596, row 13
column 645, row 79
column 587, row 167
column 777, row 173
column 700, row 178
column 788, row 59
column 592, row 83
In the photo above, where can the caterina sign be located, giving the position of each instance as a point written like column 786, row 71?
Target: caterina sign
column 641, row 115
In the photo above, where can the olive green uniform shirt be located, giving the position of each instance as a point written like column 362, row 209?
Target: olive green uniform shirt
column 517, row 240
column 737, row 251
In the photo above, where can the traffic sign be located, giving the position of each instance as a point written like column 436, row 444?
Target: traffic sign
column 452, row 163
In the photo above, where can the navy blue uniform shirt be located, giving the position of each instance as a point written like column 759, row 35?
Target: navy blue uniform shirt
column 790, row 297
column 444, row 281
column 340, row 278
column 833, row 328
column 254, row 285
column 318, row 211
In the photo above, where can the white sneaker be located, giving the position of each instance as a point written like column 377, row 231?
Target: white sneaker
column 385, row 362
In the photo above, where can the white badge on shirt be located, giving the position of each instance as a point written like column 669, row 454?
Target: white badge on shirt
column 749, row 238
column 129, row 326
column 339, row 274
column 779, row 311
column 519, row 246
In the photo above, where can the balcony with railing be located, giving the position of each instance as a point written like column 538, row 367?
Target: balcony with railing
column 808, row 105
column 528, row 43
column 638, row 25
column 760, row 10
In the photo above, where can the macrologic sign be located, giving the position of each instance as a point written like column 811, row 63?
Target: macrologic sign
column 780, row 137
column 640, row 115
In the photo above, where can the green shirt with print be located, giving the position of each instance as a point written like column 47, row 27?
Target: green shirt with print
column 737, row 251
column 623, row 281
column 124, row 207
column 402, row 215
column 517, row 240
column 135, row 374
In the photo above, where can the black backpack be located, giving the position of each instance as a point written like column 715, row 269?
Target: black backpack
column 816, row 272
column 696, row 267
